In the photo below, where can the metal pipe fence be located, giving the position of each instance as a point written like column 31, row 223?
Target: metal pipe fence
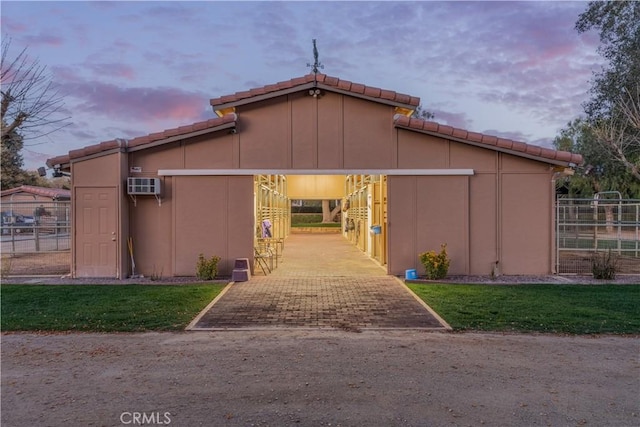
column 36, row 238
column 585, row 227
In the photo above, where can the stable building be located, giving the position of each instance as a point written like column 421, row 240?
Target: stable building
column 407, row 185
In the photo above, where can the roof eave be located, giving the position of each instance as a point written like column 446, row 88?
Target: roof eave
column 224, row 126
column 225, row 108
column 517, row 153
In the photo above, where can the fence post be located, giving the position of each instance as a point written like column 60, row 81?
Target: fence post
column 36, row 236
column 637, row 227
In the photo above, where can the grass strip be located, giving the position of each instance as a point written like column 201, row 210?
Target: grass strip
column 102, row 308
column 316, row 225
column 570, row 309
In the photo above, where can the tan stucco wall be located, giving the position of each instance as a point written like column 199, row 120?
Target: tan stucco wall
column 213, row 216
column 209, row 215
column 301, row 132
column 501, row 212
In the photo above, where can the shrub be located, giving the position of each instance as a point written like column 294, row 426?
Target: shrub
column 207, row 269
column 436, row 264
column 297, row 219
column 604, row 265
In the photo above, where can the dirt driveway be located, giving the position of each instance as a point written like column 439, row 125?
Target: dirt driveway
column 319, row 378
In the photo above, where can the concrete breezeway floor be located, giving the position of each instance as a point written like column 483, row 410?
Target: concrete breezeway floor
column 321, row 281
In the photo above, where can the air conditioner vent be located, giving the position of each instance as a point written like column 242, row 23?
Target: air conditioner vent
column 143, row 186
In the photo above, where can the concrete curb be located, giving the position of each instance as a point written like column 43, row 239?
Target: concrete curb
column 425, row 305
column 192, row 326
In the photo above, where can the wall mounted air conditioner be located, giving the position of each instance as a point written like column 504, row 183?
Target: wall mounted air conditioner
column 140, row 186
column 143, row 186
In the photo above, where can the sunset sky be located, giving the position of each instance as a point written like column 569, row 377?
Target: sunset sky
column 513, row 69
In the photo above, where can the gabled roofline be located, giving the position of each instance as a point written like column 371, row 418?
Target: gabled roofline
column 227, row 103
column 143, row 142
column 509, row 146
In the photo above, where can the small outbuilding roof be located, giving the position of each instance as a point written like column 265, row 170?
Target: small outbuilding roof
column 52, row 193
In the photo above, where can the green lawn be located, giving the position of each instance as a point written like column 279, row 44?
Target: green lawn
column 102, row 308
column 572, row 309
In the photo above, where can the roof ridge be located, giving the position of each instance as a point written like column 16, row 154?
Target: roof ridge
column 488, row 140
column 322, row 80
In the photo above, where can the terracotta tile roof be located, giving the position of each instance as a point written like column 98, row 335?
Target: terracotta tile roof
column 207, row 125
column 501, row 144
column 141, row 141
column 323, row 82
column 329, row 83
column 53, row 193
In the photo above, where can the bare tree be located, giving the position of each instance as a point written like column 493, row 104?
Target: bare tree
column 620, row 135
column 30, row 104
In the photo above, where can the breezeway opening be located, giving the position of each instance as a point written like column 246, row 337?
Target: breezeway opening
column 363, row 213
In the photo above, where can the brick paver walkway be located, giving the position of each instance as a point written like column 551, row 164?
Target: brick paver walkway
column 322, row 281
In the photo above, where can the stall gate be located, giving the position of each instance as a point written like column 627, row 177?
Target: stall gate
column 601, row 224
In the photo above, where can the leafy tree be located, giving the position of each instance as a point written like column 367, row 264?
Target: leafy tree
column 598, row 172
column 609, row 136
column 421, row 113
column 619, row 25
column 11, row 164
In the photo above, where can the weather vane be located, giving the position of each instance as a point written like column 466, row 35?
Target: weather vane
column 317, row 64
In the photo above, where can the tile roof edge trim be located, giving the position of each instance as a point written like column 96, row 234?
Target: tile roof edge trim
column 58, row 161
column 64, row 160
column 223, row 126
column 244, row 172
column 307, row 86
column 487, row 146
column 261, row 97
column 82, row 157
column 369, row 98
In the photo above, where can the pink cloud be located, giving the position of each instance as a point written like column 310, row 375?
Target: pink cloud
column 137, row 103
column 113, row 70
column 11, row 26
column 457, row 120
column 43, row 39
column 62, row 74
column 513, row 135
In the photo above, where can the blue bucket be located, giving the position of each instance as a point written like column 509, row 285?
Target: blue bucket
column 411, row 274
